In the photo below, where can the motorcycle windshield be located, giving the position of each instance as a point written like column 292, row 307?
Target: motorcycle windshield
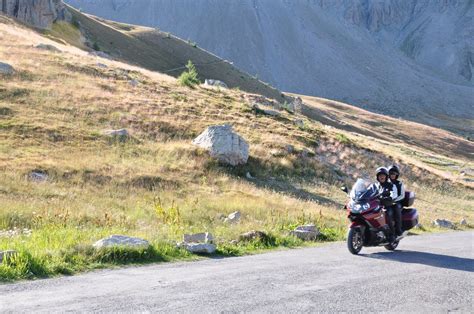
column 363, row 190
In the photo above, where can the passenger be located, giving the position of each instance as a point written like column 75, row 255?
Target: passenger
column 394, row 173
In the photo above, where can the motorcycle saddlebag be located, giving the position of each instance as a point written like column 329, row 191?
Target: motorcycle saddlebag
column 409, row 218
column 409, row 199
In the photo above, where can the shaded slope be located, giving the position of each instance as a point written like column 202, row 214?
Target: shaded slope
column 160, row 51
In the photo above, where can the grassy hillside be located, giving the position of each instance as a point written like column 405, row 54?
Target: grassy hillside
column 157, row 185
column 446, row 154
column 160, row 51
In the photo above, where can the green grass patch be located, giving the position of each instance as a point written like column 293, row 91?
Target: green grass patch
column 343, row 139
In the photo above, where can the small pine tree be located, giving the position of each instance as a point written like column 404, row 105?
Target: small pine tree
column 190, row 76
column 96, row 46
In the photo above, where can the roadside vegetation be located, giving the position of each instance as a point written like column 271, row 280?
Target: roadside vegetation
column 64, row 184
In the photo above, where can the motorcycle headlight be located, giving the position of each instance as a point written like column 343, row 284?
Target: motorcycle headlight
column 358, row 208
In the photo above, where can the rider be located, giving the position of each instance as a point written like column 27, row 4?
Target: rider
column 394, row 173
column 388, row 193
column 385, row 187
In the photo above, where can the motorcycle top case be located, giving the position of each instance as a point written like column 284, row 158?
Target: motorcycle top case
column 409, row 199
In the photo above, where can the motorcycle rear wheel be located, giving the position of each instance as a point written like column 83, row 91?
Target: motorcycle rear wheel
column 355, row 241
column 392, row 246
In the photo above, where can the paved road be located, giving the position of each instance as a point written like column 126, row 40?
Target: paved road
column 430, row 273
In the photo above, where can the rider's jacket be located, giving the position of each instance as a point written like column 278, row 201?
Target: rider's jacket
column 387, row 186
column 400, row 189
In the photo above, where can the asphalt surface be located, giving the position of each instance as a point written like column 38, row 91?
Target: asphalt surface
column 429, row 273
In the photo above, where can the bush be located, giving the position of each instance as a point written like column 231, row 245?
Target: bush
column 190, row 76
column 343, row 139
column 96, row 46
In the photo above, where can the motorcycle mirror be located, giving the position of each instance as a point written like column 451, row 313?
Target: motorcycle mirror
column 344, row 189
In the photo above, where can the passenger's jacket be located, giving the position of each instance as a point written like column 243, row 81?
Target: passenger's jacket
column 400, row 190
column 386, row 188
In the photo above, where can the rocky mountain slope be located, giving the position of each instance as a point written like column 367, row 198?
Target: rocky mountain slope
column 410, row 59
column 38, row 13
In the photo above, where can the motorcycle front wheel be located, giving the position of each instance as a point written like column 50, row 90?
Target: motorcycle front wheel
column 354, row 240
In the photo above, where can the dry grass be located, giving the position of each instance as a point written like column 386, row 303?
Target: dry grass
column 54, row 110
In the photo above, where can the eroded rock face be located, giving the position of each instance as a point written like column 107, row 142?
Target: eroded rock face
column 37, row 13
column 224, row 144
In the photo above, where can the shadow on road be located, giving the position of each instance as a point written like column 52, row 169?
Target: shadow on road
column 430, row 259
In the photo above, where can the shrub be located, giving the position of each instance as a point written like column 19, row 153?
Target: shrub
column 343, row 139
column 190, row 76
column 95, row 46
column 75, row 22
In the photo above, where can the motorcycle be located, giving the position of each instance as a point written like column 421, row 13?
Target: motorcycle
column 370, row 221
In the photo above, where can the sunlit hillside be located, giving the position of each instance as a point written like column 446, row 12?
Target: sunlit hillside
column 64, row 184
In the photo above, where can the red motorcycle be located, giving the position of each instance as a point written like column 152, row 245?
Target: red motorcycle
column 369, row 218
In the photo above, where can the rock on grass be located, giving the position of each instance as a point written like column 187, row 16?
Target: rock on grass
column 253, row 235
column 199, row 248
column 224, row 144
column 6, row 69
column 120, row 240
column 306, row 232
column 47, row 47
column 443, row 223
column 203, row 237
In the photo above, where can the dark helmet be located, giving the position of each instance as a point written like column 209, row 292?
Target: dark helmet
column 394, row 169
column 381, row 170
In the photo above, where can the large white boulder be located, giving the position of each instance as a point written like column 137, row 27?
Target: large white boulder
column 120, row 240
column 224, row 144
column 6, row 69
